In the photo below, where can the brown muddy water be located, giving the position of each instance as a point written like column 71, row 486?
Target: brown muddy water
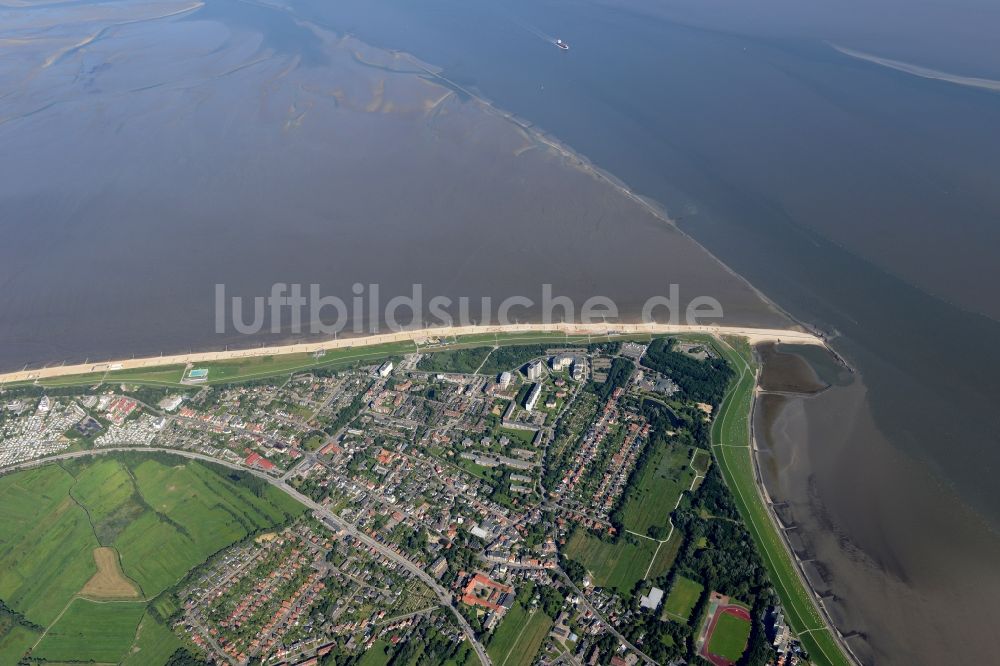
column 884, row 542
column 152, row 150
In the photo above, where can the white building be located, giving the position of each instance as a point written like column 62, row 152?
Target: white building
column 651, row 600
column 535, row 371
column 505, row 379
column 532, row 400
column 385, row 370
column 561, row 362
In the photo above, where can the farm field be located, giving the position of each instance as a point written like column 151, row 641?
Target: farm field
column 519, row 636
column 620, row 565
column 653, row 497
column 154, row 643
column 109, row 582
column 680, row 602
column 91, row 631
column 67, row 525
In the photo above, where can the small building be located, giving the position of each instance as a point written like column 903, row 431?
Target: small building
column 652, row 599
column 385, row 369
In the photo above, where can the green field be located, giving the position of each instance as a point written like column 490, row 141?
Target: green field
column 92, row 631
column 701, row 461
column 652, row 498
column 729, row 639
column 154, row 643
column 519, row 636
column 164, row 515
column 684, row 594
column 46, row 543
column 195, row 513
column 620, row 565
column 665, row 555
column 15, row 641
column 731, row 446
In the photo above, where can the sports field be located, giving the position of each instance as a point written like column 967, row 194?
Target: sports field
column 684, row 594
column 66, row 526
column 620, row 565
column 729, row 635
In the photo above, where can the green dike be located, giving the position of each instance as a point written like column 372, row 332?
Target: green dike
column 731, row 446
column 263, row 367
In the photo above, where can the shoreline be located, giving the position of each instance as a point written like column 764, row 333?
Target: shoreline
column 417, row 336
column 776, row 522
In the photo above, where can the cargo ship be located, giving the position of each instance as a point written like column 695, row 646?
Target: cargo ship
column 563, row 45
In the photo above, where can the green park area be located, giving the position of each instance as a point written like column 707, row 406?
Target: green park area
column 684, row 594
column 653, row 496
column 161, row 515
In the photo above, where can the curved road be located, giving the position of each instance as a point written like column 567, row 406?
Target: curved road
column 328, row 516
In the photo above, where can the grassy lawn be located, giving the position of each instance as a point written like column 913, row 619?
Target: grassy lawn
column 702, row 461
column 519, row 637
column 376, row 655
column 683, row 596
column 620, row 565
column 729, row 639
column 92, row 631
column 653, row 497
column 731, row 446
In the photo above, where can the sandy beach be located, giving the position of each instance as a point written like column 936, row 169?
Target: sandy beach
column 753, row 335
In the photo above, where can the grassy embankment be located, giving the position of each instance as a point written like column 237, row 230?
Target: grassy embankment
column 731, row 445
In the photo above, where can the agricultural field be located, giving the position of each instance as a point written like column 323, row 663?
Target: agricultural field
column 620, row 565
column 91, row 631
column 519, row 637
column 682, row 599
column 85, row 545
column 154, row 643
column 652, row 498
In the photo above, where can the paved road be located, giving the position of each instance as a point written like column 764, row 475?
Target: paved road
column 329, row 517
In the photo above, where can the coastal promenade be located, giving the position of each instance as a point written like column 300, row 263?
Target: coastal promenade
column 417, row 336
